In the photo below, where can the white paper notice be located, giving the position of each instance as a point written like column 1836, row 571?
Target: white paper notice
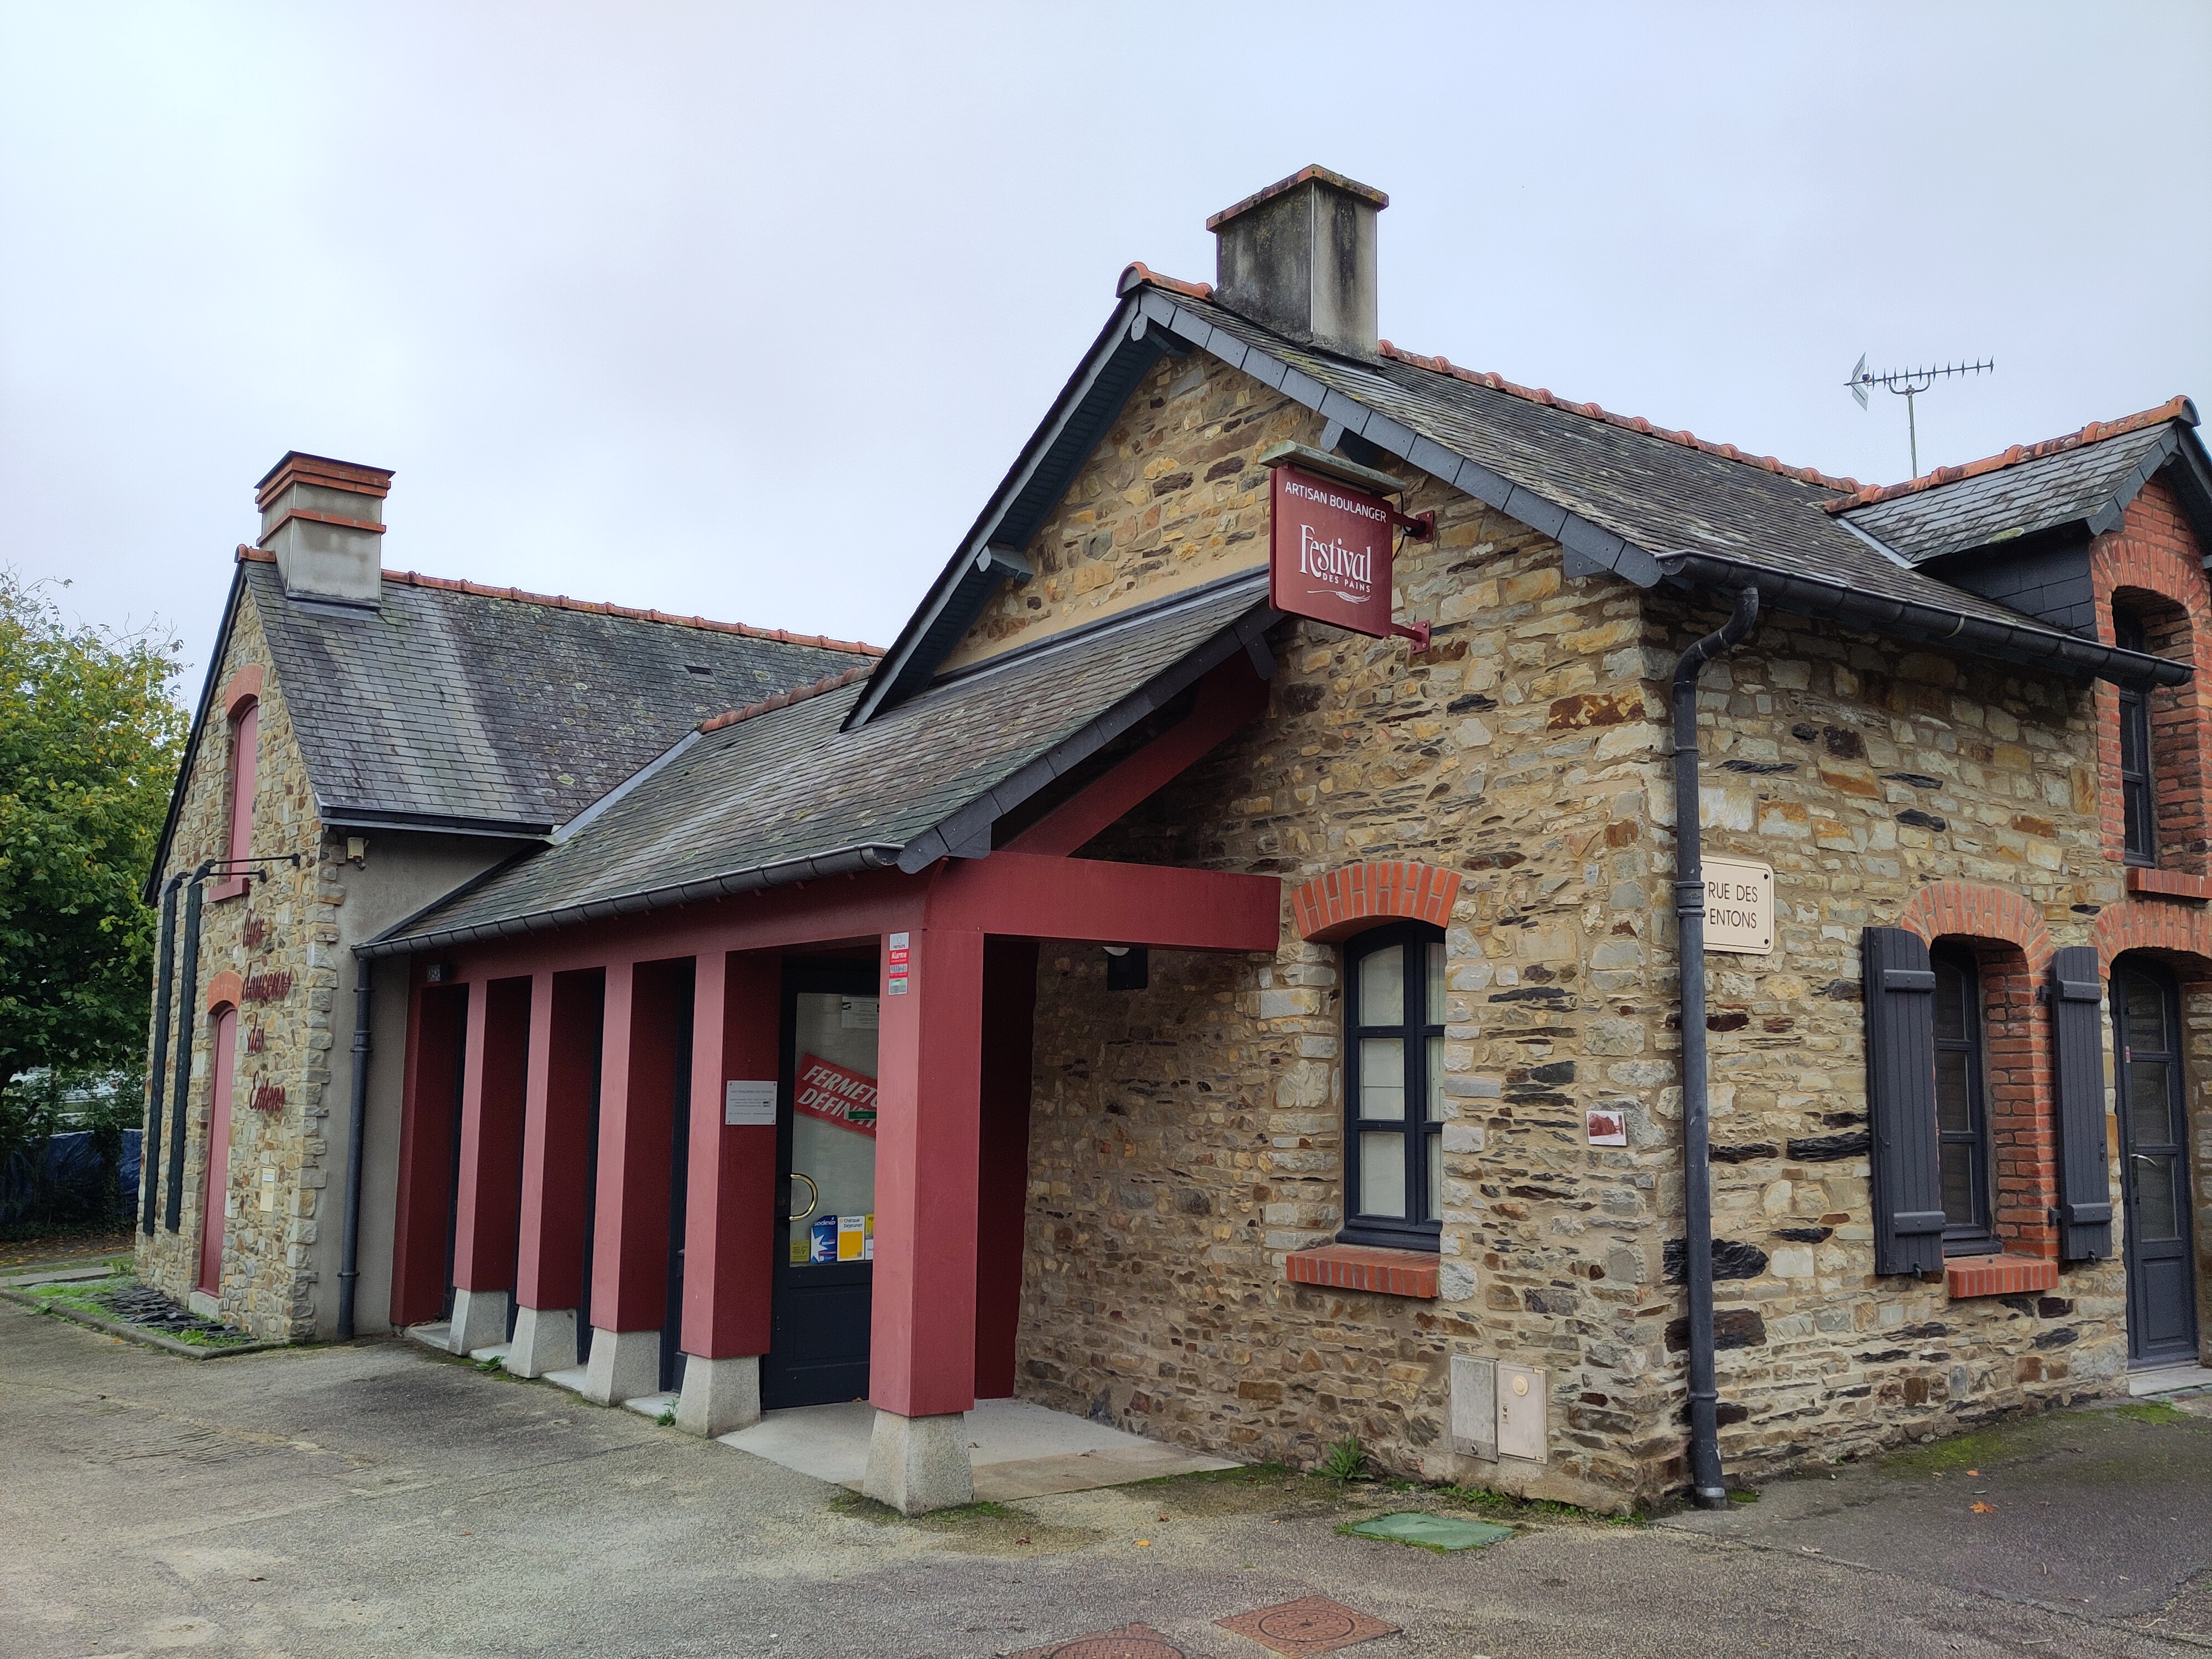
column 860, row 1013
column 751, row 1103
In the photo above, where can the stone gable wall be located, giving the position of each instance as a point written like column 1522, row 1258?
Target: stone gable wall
column 1168, row 500
column 1188, row 1137
column 281, row 938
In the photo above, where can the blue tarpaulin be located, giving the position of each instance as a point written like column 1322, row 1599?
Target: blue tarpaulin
column 66, row 1178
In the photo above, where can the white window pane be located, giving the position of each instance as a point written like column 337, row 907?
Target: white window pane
column 1382, row 989
column 1435, row 1079
column 1436, row 1178
column 1382, row 1174
column 1432, row 1011
column 1383, row 1077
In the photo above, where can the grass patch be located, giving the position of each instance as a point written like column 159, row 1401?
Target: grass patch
column 1960, row 1451
column 666, row 1419
column 2151, row 1411
column 1345, row 1460
column 1505, row 1507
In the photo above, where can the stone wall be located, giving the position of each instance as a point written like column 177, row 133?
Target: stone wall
column 1169, row 499
column 281, row 938
column 1186, row 1138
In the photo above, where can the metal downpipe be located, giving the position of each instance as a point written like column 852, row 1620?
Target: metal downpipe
column 364, row 989
column 1708, row 1486
column 149, row 1143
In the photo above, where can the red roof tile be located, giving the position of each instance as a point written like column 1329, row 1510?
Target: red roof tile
column 562, row 602
column 784, row 699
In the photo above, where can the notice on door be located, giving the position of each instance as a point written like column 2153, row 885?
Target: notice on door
column 1739, row 907
column 836, row 1094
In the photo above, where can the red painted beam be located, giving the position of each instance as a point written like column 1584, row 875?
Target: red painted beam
column 1230, row 696
column 495, row 1065
column 424, row 1189
column 1003, row 1159
column 556, row 1139
column 1024, row 895
column 921, row 1360
column 729, row 1218
column 637, row 1128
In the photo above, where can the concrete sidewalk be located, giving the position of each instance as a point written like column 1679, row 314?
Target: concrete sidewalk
column 381, row 1500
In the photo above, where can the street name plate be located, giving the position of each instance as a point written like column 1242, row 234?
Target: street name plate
column 1739, row 907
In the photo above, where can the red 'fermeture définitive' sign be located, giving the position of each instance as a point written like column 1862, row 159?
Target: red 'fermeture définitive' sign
column 827, row 1091
column 1331, row 553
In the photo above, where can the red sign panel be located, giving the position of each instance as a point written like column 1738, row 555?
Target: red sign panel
column 827, row 1091
column 1331, row 553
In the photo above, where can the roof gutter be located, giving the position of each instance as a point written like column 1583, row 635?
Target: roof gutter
column 848, row 861
column 1819, row 595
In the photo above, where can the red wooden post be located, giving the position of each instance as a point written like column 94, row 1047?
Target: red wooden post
column 424, row 1200
column 923, row 1340
column 630, row 1255
column 729, row 1220
column 1003, row 1160
column 557, row 1152
column 488, row 1208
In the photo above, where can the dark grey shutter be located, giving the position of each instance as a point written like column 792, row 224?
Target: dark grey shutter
column 1900, row 1025
column 2077, row 1031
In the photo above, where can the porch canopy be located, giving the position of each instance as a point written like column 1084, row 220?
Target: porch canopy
column 950, row 818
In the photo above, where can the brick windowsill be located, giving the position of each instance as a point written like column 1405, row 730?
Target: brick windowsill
column 1998, row 1275
column 1362, row 1267
column 2168, row 884
column 228, row 887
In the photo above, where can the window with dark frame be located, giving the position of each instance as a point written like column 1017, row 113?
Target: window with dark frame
column 1962, row 1103
column 1394, row 1011
column 2136, row 791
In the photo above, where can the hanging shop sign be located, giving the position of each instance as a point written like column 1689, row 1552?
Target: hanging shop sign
column 1330, row 552
column 1739, row 907
column 827, row 1091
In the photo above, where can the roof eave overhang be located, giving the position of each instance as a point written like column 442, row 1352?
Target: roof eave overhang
column 2051, row 649
column 151, row 891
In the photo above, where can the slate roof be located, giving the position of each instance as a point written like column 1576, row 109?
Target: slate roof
column 785, row 793
column 1655, row 492
column 2072, row 487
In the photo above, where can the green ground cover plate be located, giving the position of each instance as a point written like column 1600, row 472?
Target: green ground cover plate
column 1433, row 1532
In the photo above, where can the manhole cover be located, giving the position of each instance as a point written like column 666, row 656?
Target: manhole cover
column 1313, row 1624
column 1129, row 1642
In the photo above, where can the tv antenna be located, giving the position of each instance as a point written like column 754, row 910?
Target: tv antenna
column 1908, row 384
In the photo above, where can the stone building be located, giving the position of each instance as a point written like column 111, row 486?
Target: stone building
column 1131, row 992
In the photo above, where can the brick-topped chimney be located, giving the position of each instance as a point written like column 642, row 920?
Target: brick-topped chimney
column 324, row 520
column 1299, row 257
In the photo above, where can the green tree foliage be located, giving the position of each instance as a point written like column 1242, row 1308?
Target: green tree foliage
column 90, row 739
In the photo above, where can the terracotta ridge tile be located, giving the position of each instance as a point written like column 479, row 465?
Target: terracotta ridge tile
column 784, row 699
column 562, row 602
column 2176, row 407
column 1138, row 271
column 1440, row 365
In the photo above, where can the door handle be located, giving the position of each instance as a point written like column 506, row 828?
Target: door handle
column 813, row 1197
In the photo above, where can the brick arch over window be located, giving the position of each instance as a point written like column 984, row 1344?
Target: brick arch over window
column 225, row 990
column 1977, row 911
column 2149, row 569
column 2182, row 935
column 1341, row 903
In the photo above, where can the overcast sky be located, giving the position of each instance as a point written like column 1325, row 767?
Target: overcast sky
column 744, row 310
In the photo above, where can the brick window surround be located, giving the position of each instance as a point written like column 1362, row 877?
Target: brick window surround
column 225, row 990
column 242, row 702
column 1362, row 1267
column 2012, row 950
column 2148, row 569
column 1336, row 905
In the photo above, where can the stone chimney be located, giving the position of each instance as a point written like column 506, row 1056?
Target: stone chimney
column 323, row 520
column 1299, row 258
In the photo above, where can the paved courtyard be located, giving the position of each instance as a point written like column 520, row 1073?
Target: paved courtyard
column 382, row 1500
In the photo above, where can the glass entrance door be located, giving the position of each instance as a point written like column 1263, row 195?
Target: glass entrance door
column 2154, row 1161
column 826, row 1147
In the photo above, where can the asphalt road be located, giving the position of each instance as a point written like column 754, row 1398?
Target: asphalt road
column 379, row 1500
